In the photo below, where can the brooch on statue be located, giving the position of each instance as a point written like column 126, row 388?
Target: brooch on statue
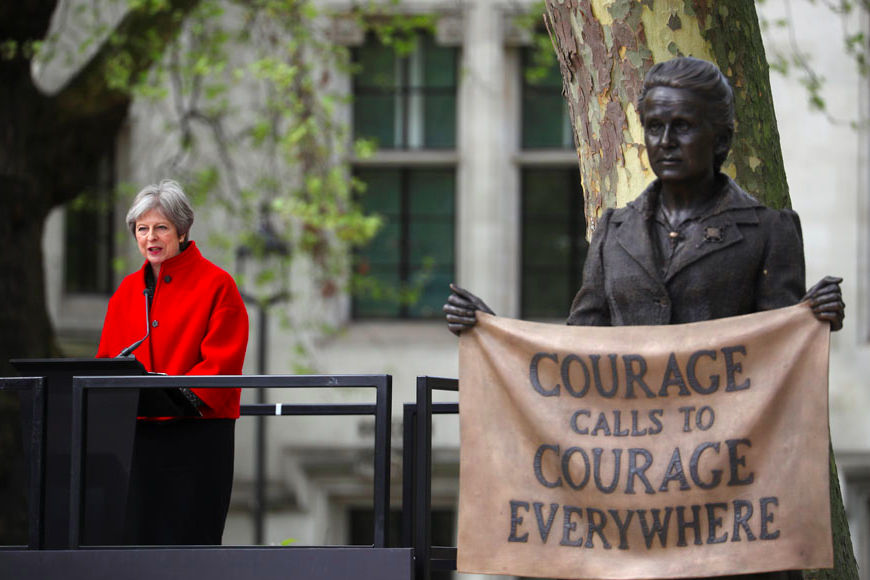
column 713, row 234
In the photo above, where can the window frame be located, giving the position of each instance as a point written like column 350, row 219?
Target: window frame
column 578, row 248
column 104, row 239
column 525, row 88
column 404, row 267
column 408, row 94
column 547, row 158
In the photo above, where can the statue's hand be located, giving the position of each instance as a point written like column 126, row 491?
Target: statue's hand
column 826, row 300
column 460, row 309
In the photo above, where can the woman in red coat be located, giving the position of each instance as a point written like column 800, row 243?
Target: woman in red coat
column 182, row 470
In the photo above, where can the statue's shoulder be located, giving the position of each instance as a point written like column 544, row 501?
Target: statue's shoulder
column 614, row 217
column 641, row 206
column 774, row 221
column 735, row 197
column 602, row 224
column 740, row 198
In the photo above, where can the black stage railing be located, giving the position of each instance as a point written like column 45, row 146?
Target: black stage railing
column 417, row 477
column 35, row 441
column 416, row 558
column 381, row 410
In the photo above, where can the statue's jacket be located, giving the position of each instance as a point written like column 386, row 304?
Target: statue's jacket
column 740, row 257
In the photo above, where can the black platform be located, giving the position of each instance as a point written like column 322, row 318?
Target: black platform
column 110, row 435
column 326, row 563
column 380, row 561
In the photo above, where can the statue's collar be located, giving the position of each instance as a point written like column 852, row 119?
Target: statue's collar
column 731, row 197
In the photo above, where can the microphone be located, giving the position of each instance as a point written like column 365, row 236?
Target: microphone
column 127, row 352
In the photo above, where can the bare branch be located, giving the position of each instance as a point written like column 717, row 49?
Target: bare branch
column 145, row 30
column 812, row 80
column 223, row 147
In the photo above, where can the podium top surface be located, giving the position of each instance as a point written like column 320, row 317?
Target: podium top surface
column 80, row 366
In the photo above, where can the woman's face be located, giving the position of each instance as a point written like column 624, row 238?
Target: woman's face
column 680, row 140
column 157, row 238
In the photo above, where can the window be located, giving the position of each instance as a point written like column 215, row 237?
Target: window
column 89, row 237
column 413, row 252
column 553, row 224
column 406, row 101
column 545, row 122
column 553, row 241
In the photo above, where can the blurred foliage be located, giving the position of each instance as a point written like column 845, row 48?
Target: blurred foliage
column 543, row 57
column 794, row 60
column 251, row 101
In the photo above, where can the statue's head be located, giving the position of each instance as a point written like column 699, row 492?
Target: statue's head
column 707, row 82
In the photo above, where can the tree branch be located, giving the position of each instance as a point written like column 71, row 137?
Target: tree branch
column 145, row 31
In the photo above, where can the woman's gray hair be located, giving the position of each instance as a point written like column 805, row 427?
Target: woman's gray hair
column 169, row 198
column 704, row 79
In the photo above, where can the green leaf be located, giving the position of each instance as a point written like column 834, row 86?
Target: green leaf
column 8, row 49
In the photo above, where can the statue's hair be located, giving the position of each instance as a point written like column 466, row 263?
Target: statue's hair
column 169, row 198
column 705, row 80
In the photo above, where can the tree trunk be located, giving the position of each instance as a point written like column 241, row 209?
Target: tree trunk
column 47, row 158
column 604, row 49
column 23, row 205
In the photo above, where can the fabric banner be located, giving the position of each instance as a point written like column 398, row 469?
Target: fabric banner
column 645, row 452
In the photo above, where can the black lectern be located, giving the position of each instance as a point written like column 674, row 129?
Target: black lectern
column 111, row 427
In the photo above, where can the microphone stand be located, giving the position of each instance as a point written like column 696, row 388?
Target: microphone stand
column 128, row 352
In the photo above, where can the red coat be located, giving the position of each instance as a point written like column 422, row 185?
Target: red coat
column 199, row 325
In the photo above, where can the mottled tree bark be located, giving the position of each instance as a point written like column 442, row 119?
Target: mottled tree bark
column 604, row 49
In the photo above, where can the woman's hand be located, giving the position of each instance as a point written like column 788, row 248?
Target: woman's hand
column 460, row 309
column 826, row 300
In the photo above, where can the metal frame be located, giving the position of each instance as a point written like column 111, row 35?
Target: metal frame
column 417, row 477
column 35, row 511
column 416, row 539
column 214, row 563
column 381, row 409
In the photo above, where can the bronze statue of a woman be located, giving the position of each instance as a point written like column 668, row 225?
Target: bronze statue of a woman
column 693, row 246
